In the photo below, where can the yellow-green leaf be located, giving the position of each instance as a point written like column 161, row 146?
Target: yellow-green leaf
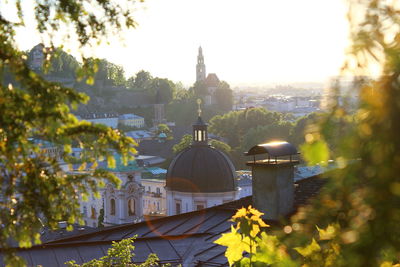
column 328, row 233
column 308, row 250
column 316, row 152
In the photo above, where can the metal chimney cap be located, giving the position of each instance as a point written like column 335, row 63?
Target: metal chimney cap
column 274, row 149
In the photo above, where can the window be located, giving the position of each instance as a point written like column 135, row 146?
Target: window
column 199, row 135
column 158, row 190
column 199, row 207
column 84, row 211
column 93, row 215
column 112, row 206
column 158, row 206
column 131, row 207
column 178, row 207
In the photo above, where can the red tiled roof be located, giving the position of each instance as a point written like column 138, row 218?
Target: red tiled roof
column 212, row 80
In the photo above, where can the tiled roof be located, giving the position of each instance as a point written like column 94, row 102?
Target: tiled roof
column 129, row 117
column 185, row 239
column 212, row 80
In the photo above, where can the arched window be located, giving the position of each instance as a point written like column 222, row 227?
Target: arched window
column 131, row 207
column 112, row 206
column 93, row 215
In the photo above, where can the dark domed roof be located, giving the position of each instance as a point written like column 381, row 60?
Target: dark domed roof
column 201, row 169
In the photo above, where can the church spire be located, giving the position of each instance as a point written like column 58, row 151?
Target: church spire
column 200, row 67
column 200, row 135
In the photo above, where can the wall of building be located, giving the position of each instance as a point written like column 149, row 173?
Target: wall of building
column 90, row 209
column 132, row 121
column 124, row 205
column 190, row 201
column 154, row 197
column 110, row 122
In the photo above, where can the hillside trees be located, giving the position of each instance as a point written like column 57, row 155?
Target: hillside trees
column 186, row 141
column 32, row 182
column 224, row 96
column 235, row 124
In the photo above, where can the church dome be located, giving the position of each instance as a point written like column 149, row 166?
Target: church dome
column 201, row 168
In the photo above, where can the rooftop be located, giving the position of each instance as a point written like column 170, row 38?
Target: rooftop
column 181, row 239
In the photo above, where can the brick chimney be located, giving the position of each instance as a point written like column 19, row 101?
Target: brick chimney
column 273, row 179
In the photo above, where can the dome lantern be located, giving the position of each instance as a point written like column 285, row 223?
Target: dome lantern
column 200, row 135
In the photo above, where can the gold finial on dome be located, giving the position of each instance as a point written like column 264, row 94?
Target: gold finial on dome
column 199, row 109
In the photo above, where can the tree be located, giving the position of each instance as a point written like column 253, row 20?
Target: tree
column 142, row 80
column 300, row 127
column 164, row 87
column 119, row 255
column 220, row 146
column 32, row 181
column 355, row 221
column 224, row 96
column 130, row 83
column 235, row 124
column 185, row 142
column 264, row 134
column 163, row 128
column 107, row 71
column 100, row 221
column 116, row 74
column 199, row 89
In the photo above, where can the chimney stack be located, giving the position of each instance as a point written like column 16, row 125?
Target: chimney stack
column 273, row 178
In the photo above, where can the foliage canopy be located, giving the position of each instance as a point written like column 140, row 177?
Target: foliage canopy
column 355, row 221
column 35, row 117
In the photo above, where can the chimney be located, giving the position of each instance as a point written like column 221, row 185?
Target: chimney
column 273, row 178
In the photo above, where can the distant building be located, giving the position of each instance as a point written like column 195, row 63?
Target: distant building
column 108, row 119
column 124, row 205
column 200, row 67
column 131, row 120
column 121, row 205
column 37, row 57
column 140, row 135
column 211, row 82
column 159, row 110
column 154, row 197
column 48, row 149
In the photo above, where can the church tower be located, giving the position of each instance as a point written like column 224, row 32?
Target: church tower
column 200, row 67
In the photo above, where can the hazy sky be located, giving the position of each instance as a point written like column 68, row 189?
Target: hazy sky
column 244, row 42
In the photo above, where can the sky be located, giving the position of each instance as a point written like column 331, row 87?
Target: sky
column 251, row 42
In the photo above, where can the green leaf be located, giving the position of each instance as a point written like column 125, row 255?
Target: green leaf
column 316, row 152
